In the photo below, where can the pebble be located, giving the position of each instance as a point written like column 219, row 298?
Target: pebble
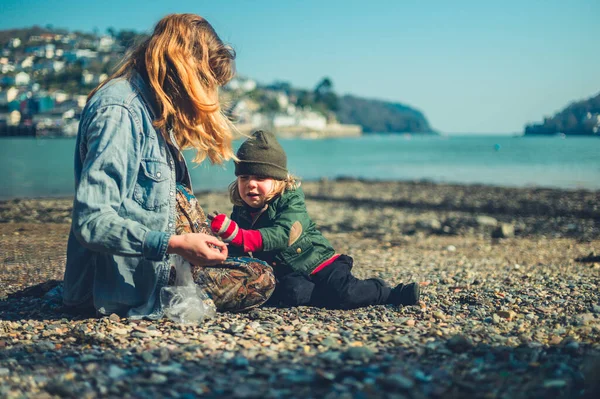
column 398, row 382
column 555, row 383
column 359, row 353
column 147, row 356
column 459, row 343
column 115, row 372
column 521, row 307
column 507, row 314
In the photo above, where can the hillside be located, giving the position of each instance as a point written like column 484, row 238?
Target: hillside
column 581, row 118
column 75, row 62
column 381, row 116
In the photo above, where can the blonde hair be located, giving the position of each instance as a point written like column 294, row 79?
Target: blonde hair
column 279, row 186
column 184, row 62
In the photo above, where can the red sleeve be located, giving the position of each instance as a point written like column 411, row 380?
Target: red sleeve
column 252, row 240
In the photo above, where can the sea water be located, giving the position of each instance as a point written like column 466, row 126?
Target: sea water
column 31, row 167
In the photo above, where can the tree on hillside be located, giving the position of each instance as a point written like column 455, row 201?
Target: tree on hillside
column 578, row 118
column 325, row 95
column 127, row 38
column 324, row 87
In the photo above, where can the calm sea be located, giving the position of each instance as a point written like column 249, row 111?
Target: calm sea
column 44, row 167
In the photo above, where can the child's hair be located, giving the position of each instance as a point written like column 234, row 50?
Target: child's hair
column 290, row 183
column 184, row 62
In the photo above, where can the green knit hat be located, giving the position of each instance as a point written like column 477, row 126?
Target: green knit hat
column 262, row 155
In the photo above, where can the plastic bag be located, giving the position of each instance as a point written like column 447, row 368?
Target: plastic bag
column 186, row 302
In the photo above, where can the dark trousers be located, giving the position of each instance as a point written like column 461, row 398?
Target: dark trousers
column 333, row 287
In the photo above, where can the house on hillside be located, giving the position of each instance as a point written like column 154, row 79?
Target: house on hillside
column 60, row 96
column 105, row 43
column 27, row 62
column 50, row 66
column 5, row 68
column 22, row 79
column 14, row 42
column 8, row 95
column 82, row 55
column 241, row 84
column 92, row 79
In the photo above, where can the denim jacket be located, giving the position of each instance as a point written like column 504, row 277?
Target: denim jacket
column 124, row 205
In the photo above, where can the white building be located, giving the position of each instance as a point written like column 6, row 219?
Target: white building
column 81, row 100
column 90, row 79
column 49, row 50
column 60, row 96
column 75, row 55
column 105, row 43
column 58, row 66
column 308, row 119
column 14, row 118
column 281, row 120
column 244, row 110
column 8, row 95
column 244, row 85
column 282, row 100
column 22, row 79
column 27, row 62
column 5, row 68
column 312, row 120
column 14, row 42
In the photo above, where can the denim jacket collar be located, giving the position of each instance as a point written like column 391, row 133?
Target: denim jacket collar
column 142, row 87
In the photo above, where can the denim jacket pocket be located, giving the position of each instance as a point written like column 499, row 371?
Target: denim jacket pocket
column 152, row 186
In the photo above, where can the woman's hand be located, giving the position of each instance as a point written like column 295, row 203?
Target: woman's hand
column 198, row 248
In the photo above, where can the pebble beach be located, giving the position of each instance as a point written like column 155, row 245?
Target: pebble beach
column 510, row 306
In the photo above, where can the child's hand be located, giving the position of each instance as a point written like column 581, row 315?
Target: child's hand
column 225, row 228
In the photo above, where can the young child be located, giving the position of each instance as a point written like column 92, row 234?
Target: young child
column 270, row 222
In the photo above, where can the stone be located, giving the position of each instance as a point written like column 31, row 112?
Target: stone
column 397, row 381
column 555, row 384
column 486, row 221
column 359, row 353
column 459, row 343
column 504, row 230
column 507, row 314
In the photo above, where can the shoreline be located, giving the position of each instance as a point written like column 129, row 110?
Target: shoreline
column 578, row 210
column 510, row 305
column 343, row 179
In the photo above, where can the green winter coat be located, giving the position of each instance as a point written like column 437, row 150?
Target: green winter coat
column 291, row 241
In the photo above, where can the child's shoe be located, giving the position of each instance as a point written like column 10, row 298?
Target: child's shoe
column 408, row 294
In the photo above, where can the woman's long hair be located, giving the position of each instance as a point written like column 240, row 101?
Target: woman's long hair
column 184, row 62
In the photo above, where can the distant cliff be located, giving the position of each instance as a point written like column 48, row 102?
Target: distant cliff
column 381, row 116
column 581, row 118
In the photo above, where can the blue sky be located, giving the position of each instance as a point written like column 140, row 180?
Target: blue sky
column 470, row 66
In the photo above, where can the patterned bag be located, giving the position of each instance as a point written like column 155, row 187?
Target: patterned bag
column 236, row 285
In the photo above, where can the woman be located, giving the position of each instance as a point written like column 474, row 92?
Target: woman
column 132, row 181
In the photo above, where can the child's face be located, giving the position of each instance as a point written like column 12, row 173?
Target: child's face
column 254, row 189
